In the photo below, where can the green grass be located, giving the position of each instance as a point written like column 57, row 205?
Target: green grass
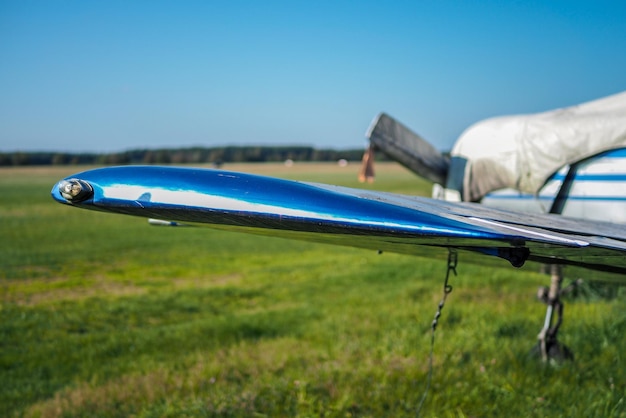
column 102, row 315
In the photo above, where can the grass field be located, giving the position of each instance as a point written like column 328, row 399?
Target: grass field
column 102, row 315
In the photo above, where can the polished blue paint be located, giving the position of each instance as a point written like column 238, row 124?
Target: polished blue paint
column 318, row 201
column 353, row 217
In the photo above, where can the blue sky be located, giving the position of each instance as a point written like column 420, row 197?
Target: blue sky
column 117, row 75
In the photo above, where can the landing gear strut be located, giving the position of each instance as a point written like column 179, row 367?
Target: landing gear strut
column 548, row 347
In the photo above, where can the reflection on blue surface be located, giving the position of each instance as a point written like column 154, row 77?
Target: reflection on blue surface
column 359, row 218
column 192, row 192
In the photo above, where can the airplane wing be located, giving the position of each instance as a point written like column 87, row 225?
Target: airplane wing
column 339, row 215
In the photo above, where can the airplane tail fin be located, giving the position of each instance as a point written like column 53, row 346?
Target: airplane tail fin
column 409, row 149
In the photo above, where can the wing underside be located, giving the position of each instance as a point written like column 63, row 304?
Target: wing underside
column 353, row 217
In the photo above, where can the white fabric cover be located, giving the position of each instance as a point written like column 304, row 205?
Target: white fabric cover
column 523, row 151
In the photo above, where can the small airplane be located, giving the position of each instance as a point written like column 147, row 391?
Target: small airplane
column 353, row 217
column 569, row 161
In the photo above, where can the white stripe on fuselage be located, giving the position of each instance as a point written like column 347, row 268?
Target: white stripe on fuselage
column 598, row 192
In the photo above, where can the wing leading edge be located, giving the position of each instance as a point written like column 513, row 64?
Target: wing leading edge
column 338, row 215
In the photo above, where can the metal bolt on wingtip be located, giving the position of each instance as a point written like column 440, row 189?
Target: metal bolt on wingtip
column 75, row 190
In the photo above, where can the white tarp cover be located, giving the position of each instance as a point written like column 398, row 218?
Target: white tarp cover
column 523, row 151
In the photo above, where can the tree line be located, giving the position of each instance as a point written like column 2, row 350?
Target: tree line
column 195, row 155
